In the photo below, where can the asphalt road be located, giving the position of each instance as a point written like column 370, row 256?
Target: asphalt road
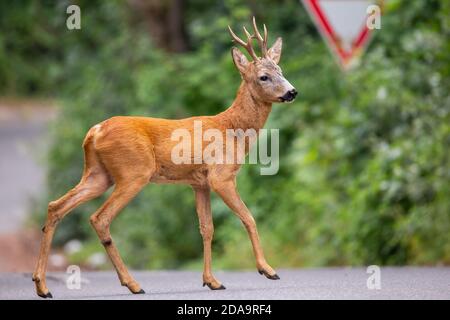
column 328, row 283
column 23, row 142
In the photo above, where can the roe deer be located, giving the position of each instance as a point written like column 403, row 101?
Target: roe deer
column 130, row 152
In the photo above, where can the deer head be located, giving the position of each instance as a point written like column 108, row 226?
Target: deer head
column 263, row 76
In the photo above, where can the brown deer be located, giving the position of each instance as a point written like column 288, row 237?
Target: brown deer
column 130, row 152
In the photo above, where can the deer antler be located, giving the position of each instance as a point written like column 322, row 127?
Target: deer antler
column 247, row 45
column 262, row 41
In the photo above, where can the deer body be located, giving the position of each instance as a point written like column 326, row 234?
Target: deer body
column 130, row 152
column 152, row 143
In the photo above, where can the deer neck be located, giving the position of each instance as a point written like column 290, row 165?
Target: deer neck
column 246, row 111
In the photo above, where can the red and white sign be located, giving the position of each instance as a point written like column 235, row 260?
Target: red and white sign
column 343, row 25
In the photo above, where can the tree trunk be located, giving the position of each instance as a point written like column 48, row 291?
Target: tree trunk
column 165, row 21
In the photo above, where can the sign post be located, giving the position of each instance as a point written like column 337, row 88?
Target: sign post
column 345, row 26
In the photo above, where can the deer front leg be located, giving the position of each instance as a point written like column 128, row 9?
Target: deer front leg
column 203, row 204
column 227, row 191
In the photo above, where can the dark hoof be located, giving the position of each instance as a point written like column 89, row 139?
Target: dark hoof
column 222, row 287
column 268, row 276
column 45, row 296
column 140, row 292
column 273, row 277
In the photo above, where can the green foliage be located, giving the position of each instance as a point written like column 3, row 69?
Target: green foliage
column 364, row 174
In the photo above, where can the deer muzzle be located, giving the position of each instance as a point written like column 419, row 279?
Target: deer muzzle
column 289, row 96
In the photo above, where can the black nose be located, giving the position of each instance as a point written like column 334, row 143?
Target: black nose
column 290, row 95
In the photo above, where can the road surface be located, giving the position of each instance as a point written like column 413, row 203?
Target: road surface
column 23, row 144
column 328, row 283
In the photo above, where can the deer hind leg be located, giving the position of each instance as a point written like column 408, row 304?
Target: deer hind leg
column 203, row 204
column 226, row 189
column 94, row 182
column 101, row 221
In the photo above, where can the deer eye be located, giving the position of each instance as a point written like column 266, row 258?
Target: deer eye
column 263, row 78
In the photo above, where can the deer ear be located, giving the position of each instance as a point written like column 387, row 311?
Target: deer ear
column 239, row 59
column 274, row 52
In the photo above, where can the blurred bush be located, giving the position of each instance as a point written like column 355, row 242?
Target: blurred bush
column 364, row 176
